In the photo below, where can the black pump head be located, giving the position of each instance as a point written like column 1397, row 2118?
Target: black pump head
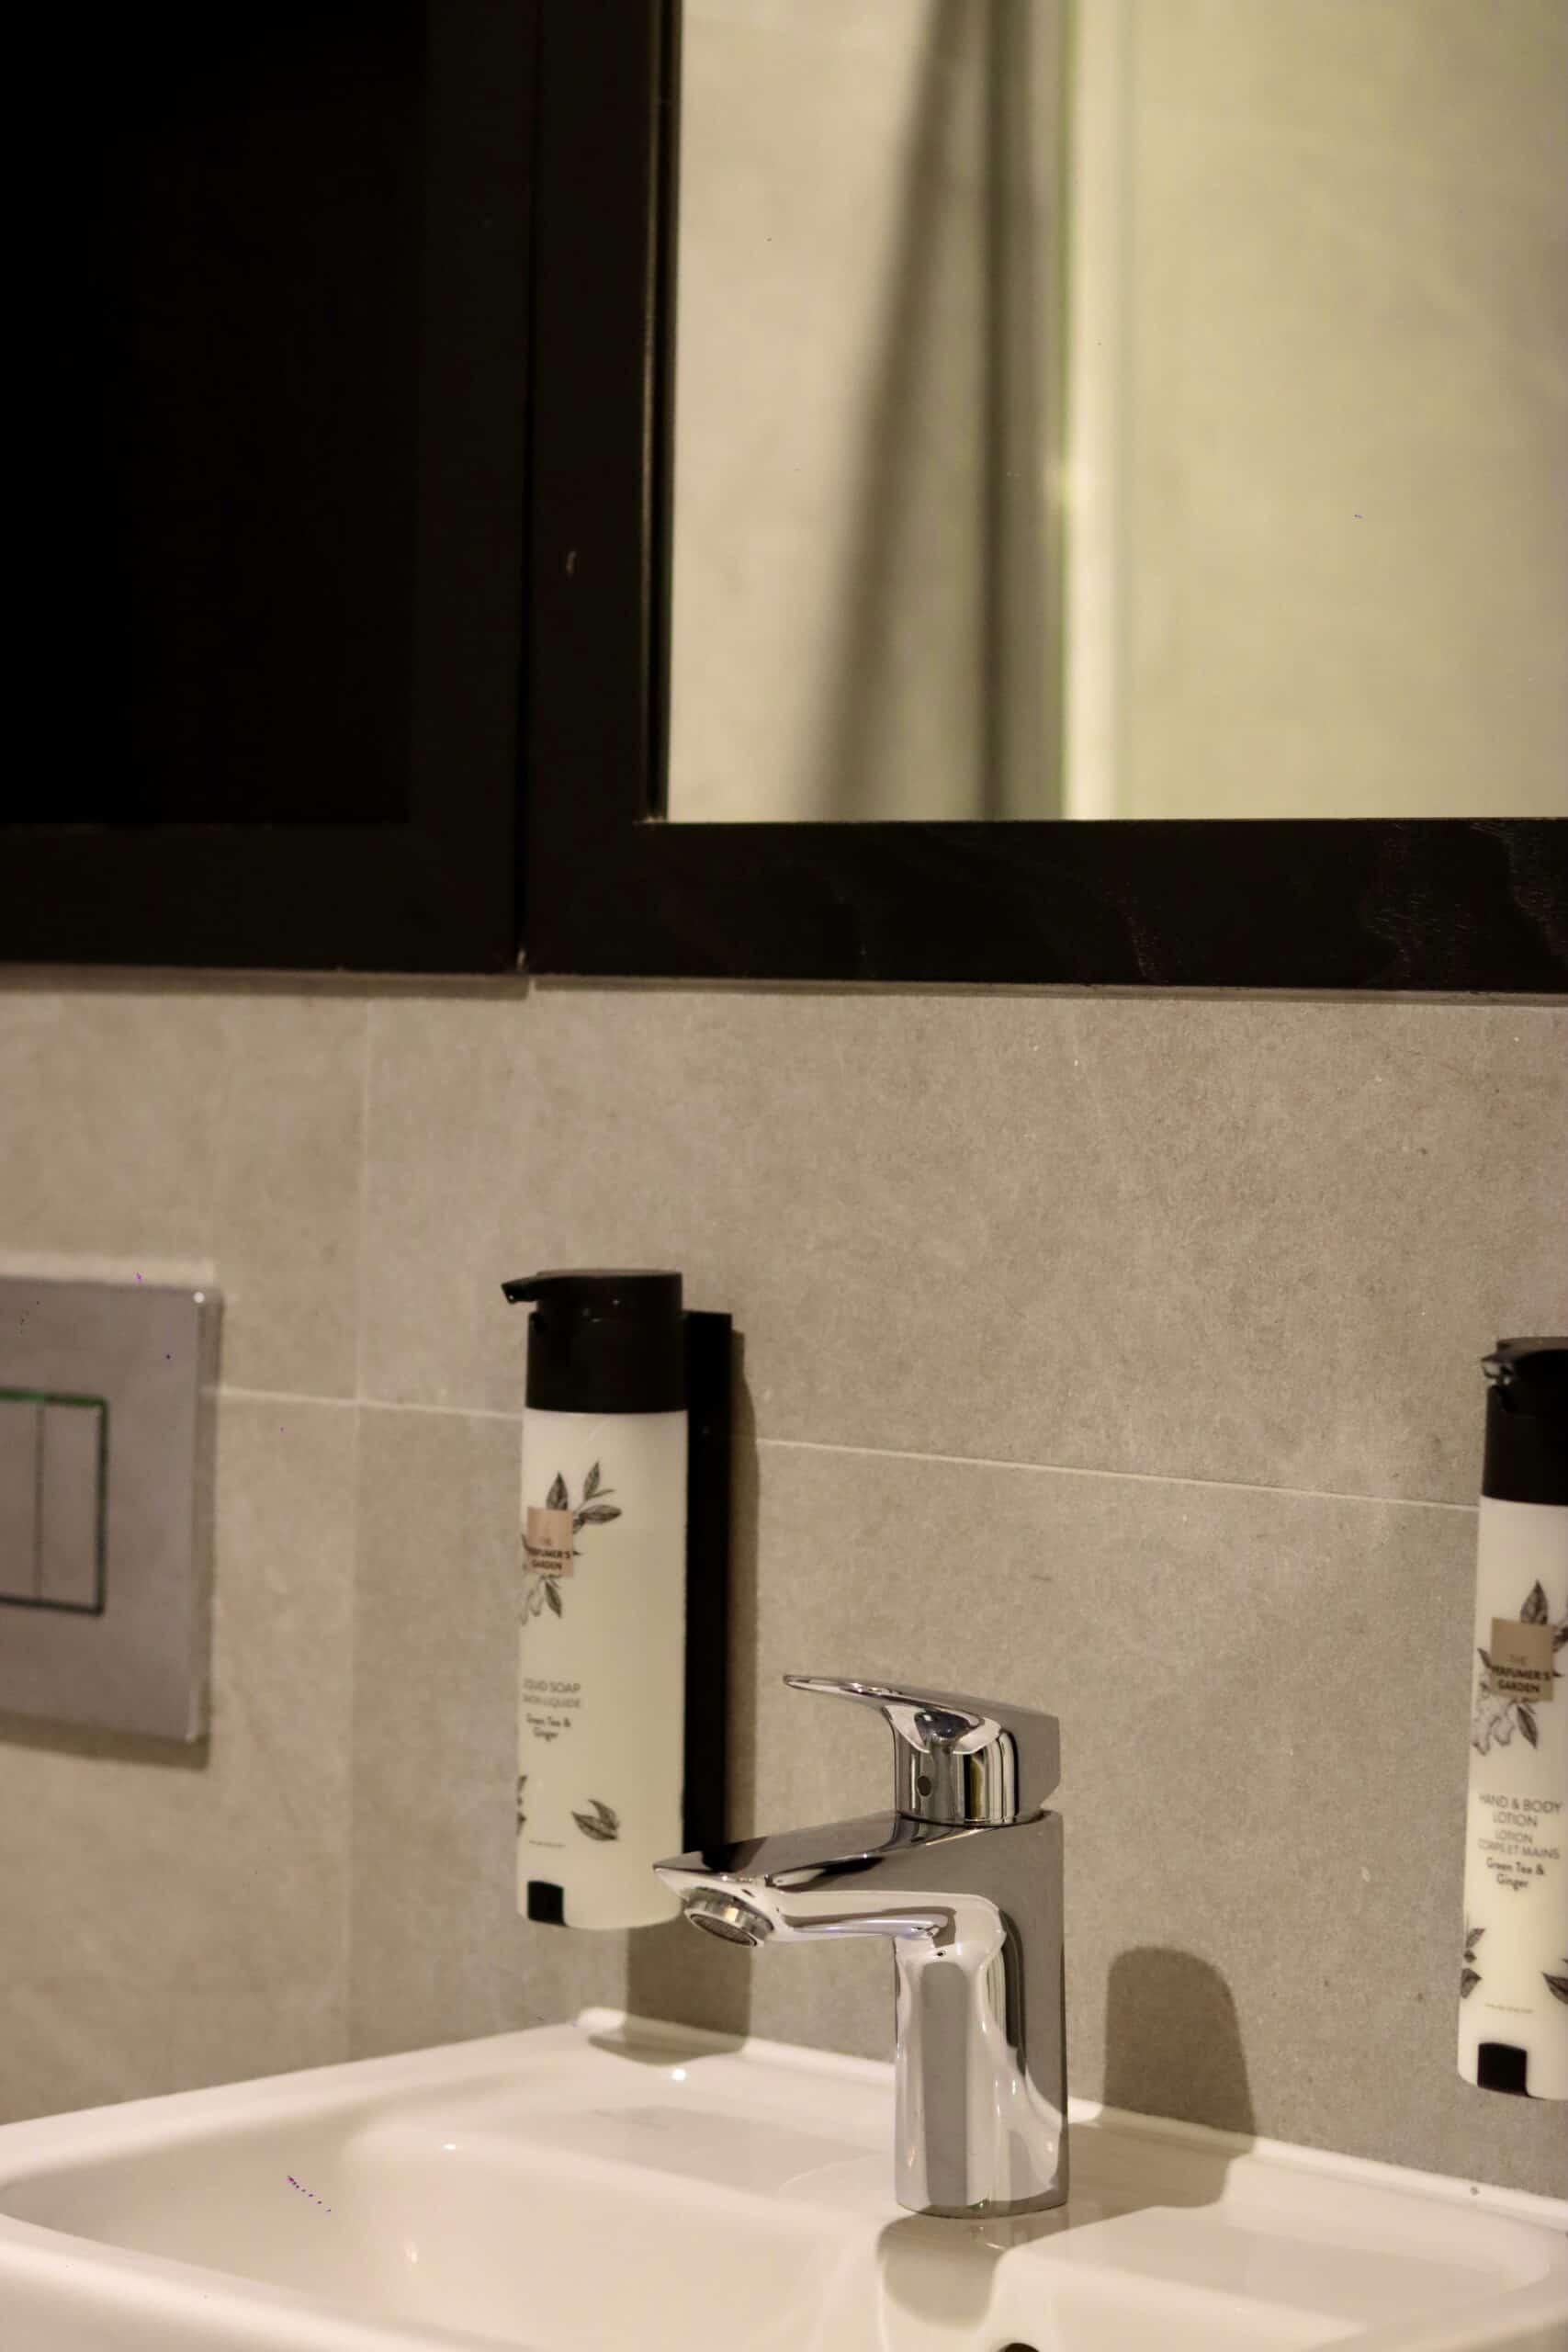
column 1526, row 1421
column 604, row 1340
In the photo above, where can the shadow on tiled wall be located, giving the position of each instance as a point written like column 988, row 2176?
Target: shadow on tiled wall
column 1173, row 2040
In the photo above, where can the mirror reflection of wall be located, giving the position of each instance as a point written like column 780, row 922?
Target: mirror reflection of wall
column 1144, row 408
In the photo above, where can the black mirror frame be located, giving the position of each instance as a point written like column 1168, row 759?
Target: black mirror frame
column 610, row 889
column 434, row 890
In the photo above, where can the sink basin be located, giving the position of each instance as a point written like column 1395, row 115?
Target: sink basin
column 619, row 2187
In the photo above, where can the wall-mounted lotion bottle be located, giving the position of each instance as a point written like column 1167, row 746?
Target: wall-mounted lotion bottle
column 603, row 1614
column 1512, row 2015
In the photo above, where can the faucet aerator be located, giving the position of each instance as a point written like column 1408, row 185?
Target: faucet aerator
column 725, row 1916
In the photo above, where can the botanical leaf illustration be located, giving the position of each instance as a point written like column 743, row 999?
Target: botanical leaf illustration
column 1470, row 1977
column 595, row 1514
column 1495, row 1717
column 1557, row 1985
column 543, row 1592
column 603, row 1824
column 1493, row 1720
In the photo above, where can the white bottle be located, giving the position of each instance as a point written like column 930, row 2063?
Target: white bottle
column 1513, row 2017
column 603, row 1612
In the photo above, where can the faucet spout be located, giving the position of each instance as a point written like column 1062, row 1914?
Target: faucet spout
column 974, row 1916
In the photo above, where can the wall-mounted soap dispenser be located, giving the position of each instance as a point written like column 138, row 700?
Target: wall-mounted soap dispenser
column 1513, row 2014
column 624, row 1520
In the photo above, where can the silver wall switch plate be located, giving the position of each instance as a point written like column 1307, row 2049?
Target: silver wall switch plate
column 53, row 1494
column 21, row 1446
column 105, row 1481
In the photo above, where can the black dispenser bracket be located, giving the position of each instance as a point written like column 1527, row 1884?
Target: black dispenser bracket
column 709, row 1390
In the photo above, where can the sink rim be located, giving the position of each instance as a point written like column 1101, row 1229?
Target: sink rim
column 97, row 2272
column 66, row 2137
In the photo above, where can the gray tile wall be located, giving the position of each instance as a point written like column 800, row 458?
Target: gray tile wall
column 1118, row 1353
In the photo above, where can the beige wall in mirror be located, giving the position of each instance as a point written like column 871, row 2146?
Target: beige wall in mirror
column 1139, row 408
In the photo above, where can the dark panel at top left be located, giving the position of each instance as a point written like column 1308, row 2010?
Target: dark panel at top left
column 223, row 323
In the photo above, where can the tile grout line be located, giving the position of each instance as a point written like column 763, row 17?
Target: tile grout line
column 365, row 1404
column 1085, row 1470
column 360, row 1235
column 884, row 1453
column 357, row 1456
column 345, row 1988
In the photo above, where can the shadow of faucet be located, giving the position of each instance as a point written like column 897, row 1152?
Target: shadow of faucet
column 1173, row 2047
column 1173, row 2039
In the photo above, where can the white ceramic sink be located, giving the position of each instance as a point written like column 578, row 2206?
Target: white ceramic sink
column 611, row 2187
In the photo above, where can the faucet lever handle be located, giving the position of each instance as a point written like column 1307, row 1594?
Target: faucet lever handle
column 960, row 1762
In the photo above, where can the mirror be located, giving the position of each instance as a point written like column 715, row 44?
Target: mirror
column 1139, row 409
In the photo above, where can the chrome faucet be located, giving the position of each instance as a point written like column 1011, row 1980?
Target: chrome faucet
column 964, row 1879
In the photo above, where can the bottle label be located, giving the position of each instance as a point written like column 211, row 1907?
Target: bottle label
column 1519, row 1657
column 602, row 1620
column 546, row 1536
column 1518, row 1839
